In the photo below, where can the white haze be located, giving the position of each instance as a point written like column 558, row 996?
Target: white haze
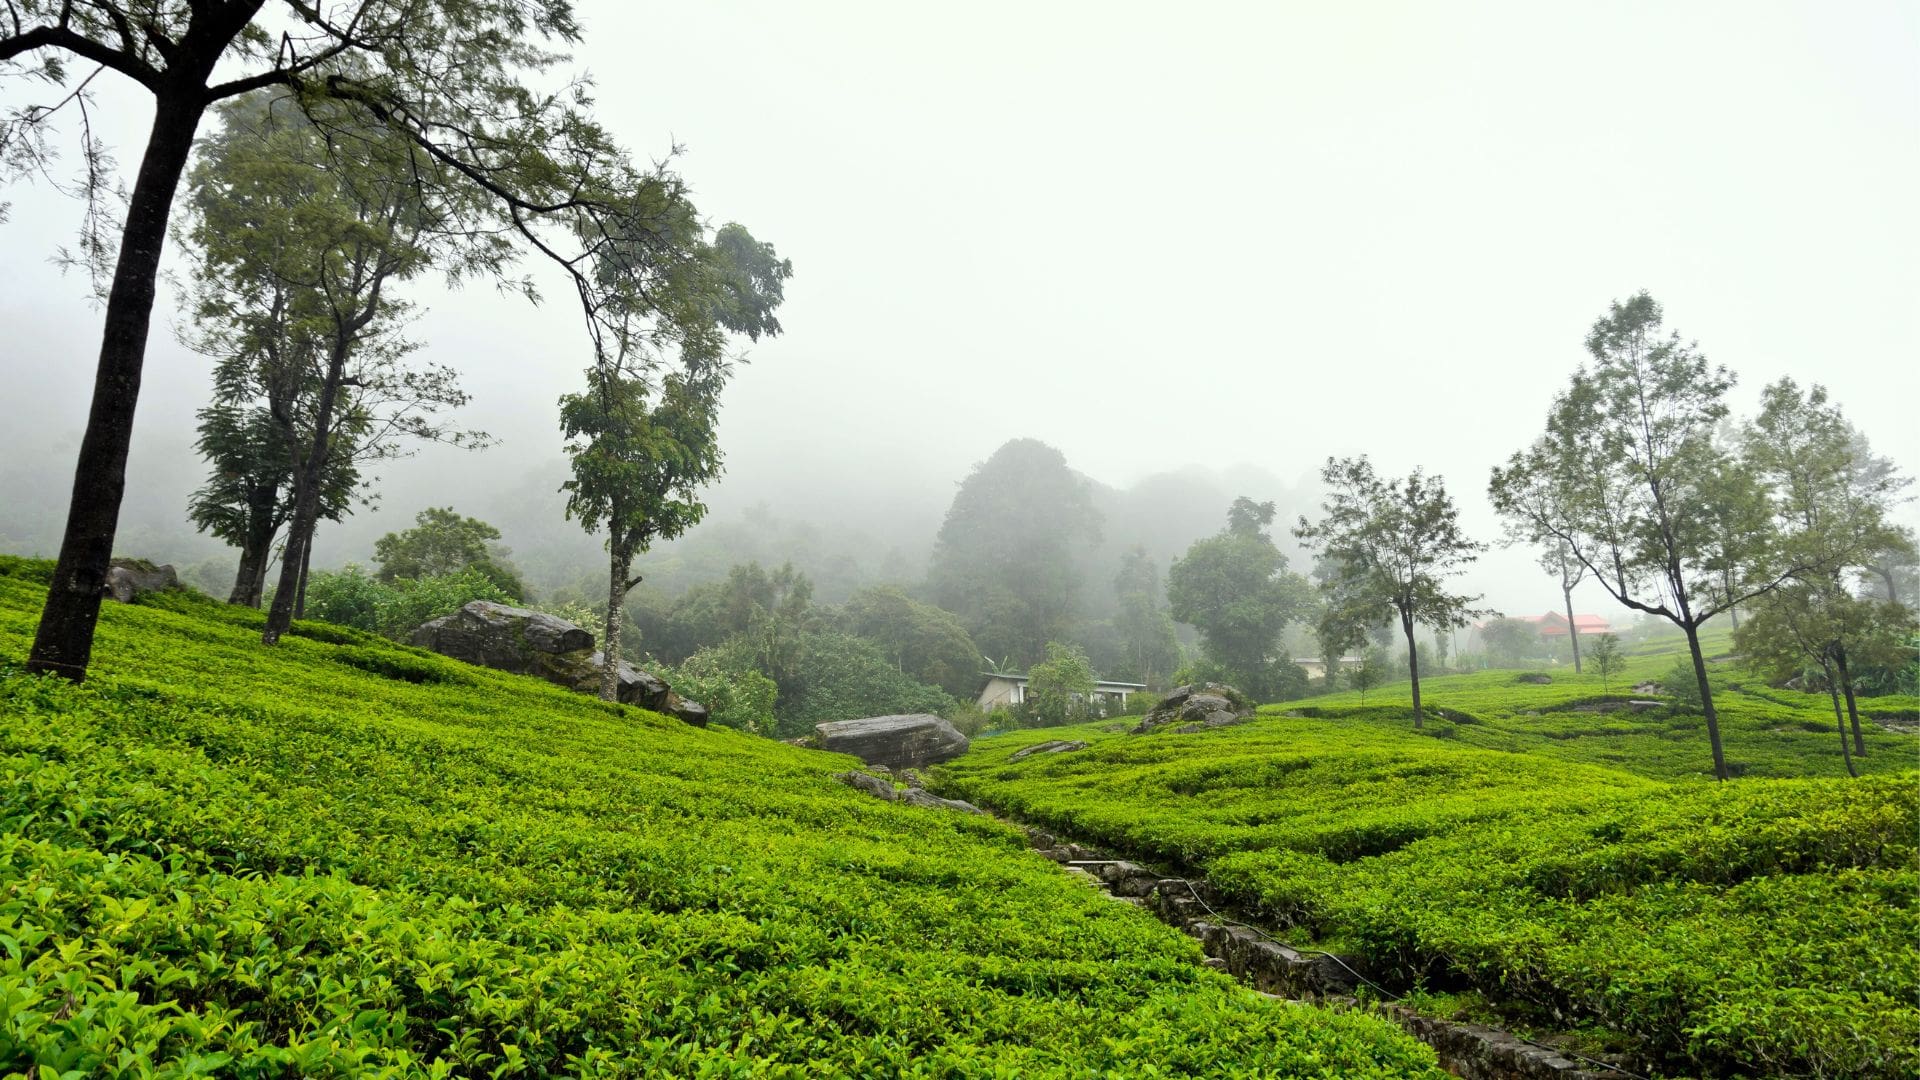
column 1235, row 236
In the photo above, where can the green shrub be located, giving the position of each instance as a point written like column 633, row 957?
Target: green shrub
column 395, row 609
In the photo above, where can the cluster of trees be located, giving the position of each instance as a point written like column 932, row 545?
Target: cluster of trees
column 1680, row 514
column 360, row 145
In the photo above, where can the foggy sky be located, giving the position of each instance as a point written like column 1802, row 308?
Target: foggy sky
column 1227, row 235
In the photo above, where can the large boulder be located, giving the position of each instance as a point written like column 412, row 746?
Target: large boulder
column 510, row 639
column 897, row 742
column 535, row 643
column 1197, row 707
column 130, row 579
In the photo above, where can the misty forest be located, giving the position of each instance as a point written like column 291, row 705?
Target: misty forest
column 1261, row 541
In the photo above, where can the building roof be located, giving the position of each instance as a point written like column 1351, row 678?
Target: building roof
column 1097, row 683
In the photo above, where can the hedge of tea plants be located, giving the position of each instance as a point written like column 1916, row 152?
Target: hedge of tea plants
column 339, row 856
column 1767, row 926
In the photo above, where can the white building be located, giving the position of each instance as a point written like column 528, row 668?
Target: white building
column 1006, row 691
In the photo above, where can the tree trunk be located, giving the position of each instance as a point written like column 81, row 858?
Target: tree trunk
column 619, row 563
column 306, row 566
column 256, row 549
column 1706, row 701
column 1413, row 668
column 1886, row 575
column 1573, row 629
column 306, row 500
column 1853, row 708
column 63, row 643
column 1840, row 723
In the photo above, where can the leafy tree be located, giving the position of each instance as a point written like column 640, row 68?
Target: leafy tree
column 1799, row 626
column 1606, row 659
column 1144, row 626
column 1234, row 587
column 298, row 245
column 1060, row 688
column 641, row 440
column 1510, row 640
column 444, row 542
column 1832, row 497
column 845, row 678
column 1367, row 674
column 923, row 641
column 1894, row 571
column 245, row 499
column 519, row 164
column 1630, row 478
column 1004, row 557
column 1391, row 545
column 637, row 470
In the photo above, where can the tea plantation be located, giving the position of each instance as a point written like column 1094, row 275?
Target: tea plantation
column 343, row 857
column 1542, row 866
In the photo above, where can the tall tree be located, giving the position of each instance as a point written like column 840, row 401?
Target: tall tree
column 1831, row 497
column 642, row 436
column 1393, row 544
column 302, row 225
column 1630, row 478
column 1235, row 588
column 638, row 467
column 451, row 77
column 1004, row 557
column 1143, row 624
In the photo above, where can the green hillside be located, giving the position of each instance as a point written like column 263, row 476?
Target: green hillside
column 1542, row 866
column 344, row 857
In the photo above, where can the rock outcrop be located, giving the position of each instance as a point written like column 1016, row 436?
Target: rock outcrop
column 1053, row 746
column 1196, row 708
column 896, row 742
column 883, row 789
column 130, row 579
column 535, row 643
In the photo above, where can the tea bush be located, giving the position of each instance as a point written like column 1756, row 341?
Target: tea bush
column 1572, row 868
column 222, row 858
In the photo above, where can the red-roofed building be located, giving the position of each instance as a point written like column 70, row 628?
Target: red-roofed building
column 1554, row 625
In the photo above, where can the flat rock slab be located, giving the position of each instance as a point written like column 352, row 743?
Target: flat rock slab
column 1054, row 746
column 908, row 741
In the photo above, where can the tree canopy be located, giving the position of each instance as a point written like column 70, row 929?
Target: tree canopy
column 1234, row 587
column 1003, row 560
column 1389, row 546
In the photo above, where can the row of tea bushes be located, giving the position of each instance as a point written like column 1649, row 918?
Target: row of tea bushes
column 340, row 856
column 1763, row 927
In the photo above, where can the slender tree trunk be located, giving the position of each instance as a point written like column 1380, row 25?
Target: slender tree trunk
column 1886, row 575
column 620, row 562
column 63, row 643
column 1413, row 668
column 1840, row 722
column 306, row 566
column 306, row 500
column 1853, row 707
column 1573, row 629
column 1706, row 701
